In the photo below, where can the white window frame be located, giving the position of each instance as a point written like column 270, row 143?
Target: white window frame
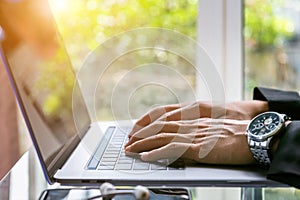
column 220, row 34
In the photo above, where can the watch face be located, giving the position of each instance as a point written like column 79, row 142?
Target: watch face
column 265, row 124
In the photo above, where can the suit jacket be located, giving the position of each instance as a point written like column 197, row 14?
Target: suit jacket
column 285, row 165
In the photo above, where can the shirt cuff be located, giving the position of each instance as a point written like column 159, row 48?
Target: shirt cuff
column 285, row 102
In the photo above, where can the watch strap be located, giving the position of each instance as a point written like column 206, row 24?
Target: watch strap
column 260, row 151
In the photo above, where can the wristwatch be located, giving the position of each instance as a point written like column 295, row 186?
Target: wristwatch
column 261, row 132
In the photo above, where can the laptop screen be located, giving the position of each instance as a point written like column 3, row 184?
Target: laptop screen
column 43, row 77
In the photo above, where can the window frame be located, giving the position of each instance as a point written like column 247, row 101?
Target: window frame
column 219, row 32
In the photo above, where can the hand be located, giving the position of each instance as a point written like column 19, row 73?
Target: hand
column 185, row 130
column 205, row 140
column 243, row 110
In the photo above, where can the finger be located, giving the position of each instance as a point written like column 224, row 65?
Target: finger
column 198, row 151
column 175, row 112
column 145, row 132
column 188, row 112
column 152, row 116
column 184, row 113
column 194, row 111
column 210, row 122
column 170, row 151
column 182, row 126
column 157, row 141
column 153, row 129
column 164, row 127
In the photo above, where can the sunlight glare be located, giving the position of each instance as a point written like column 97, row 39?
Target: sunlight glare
column 59, row 5
column 91, row 5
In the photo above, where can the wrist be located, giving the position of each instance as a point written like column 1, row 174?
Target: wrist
column 260, row 107
column 255, row 107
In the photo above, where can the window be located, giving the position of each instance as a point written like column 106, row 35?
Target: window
column 215, row 25
column 252, row 42
column 272, row 44
column 136, row 78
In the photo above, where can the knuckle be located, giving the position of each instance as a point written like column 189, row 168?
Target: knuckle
column 173, row 146
column 194, row 147
column 159, row 123
column 159, row 109
column 157, row 126
column 161, row 136
column 227, row 131
column 163, row 117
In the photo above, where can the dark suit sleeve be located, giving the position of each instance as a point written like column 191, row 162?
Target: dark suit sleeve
column 287, row 102
column 285, row 166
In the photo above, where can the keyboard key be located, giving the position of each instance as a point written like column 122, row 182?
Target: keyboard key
column 112, row 148
column 125, row 161
column 107, row 163
column 93, row 163
column 105, row 167
column 141, row 166
column 110, row 155
column 123, row 166
column 109, row 160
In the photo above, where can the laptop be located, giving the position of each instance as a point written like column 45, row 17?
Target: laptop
column 72, row 148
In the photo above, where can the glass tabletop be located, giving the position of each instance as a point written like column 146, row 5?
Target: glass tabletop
column 26, row 181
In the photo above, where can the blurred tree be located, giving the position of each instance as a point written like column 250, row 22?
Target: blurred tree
column 264, row 28
column 84, row 24
column 268, row 28
column 87, row 23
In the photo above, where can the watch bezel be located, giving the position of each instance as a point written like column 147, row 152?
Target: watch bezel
column 264, row 137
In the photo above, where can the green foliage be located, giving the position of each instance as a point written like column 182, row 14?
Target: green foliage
column 84, row 24
column 264, row 27
column 87, row 23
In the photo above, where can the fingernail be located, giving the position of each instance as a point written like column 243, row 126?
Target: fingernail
column 127, row 144
column 127, row 148
column 143, row 155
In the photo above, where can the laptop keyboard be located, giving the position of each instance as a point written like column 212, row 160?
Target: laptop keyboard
column 111, row 156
